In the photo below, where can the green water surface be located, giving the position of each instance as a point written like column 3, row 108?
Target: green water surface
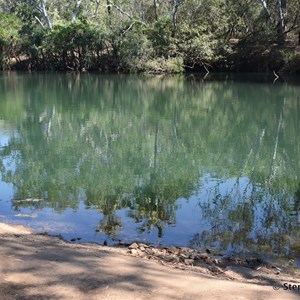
column 167, row 160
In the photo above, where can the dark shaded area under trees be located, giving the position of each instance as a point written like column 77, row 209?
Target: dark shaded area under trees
column 150, row 36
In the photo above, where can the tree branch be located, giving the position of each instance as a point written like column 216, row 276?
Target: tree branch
column 121, row 11
column 39, row 21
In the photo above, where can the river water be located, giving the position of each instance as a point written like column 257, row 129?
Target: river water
column 184, row 161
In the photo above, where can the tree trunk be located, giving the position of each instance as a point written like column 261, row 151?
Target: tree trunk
column 175, row 4
column 108, row 6
column 266, row 9
column 76, row 11
column 174, row 16
column 97, row 8
column 45, row 14
column 281, row 24
column 155, row 9
column 42, row 9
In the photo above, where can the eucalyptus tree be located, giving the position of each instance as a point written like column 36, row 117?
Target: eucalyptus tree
column 40, row 7
column 282, row 15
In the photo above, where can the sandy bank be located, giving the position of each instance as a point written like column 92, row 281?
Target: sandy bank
column 34, row 266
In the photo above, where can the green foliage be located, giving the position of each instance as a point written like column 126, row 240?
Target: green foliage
column 161, row 36
column 135, row 50
column 10, row 26
column 31, row 42
column 73, row 45
column 196, row 46
column 292, row 61
column 171, row 65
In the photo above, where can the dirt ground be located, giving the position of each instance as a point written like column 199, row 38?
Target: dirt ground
column 34, row 266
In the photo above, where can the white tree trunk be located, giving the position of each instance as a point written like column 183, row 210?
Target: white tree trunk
column 155, row 9
column 76, row 10
column 266, row 9
column 281, row 18
column 45, row 14
column 97, row 8
column 175, row 4
column 41, row 7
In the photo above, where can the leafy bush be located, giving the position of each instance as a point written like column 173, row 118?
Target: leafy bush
column 73, row 45
column 10, row 25
column 134, row 50
column 161, row 65
column 161, row 37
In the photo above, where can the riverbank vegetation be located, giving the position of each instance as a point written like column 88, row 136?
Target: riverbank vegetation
column 150, row 36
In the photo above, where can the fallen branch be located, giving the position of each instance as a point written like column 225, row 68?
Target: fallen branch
column 190, row 67
column 204, row 66
column 276, row 76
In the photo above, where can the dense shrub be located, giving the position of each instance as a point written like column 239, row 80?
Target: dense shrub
column 10, row 25
column 73, row 46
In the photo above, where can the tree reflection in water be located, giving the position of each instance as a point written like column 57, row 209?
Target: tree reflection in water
column 140, row 144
